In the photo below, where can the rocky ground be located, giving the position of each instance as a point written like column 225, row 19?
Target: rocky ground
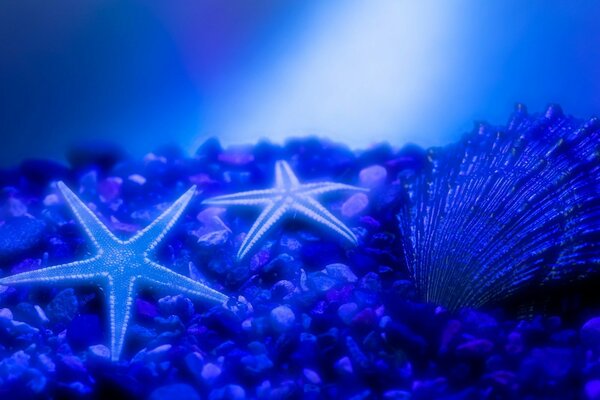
column 310, row 317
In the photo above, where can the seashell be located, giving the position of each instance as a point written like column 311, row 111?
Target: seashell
column 503, row 209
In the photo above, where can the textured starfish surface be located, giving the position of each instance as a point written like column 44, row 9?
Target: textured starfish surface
column 119, row 267
column 288, row 195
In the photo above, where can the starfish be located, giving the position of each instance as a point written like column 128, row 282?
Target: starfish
column 120, row 267
column 288, row 195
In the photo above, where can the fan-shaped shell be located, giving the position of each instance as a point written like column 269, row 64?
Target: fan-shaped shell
column 505, row 208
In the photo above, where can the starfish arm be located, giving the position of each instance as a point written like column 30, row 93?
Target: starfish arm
column 96, row 230
column 250, row 198
column 72, row 272
column 315, row 189
column 119, row 296
column 265, row 221
column 284, row 176
column 311, row 208
column 150, row 237
column 168, row 279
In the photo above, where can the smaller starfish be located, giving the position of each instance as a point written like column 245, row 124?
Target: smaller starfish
column 288, row 195
column 119, row 267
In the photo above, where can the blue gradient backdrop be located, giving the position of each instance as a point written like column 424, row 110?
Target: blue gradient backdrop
column 145, row 73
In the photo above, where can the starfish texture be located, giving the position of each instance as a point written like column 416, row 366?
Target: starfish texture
column 120, row 267
column 288, row 195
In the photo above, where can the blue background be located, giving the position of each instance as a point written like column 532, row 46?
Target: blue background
column 145, row 73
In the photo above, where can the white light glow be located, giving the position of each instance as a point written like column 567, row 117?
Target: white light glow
column 365, row 72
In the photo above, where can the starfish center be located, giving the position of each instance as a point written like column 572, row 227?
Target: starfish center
column 123, row 259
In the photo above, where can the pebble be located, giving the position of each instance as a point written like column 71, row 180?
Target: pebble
column 344, row 366
column 341, row 272
column 282, row 318
column 214, row 238
column 347, row 311
column 397, row 394
column 257, row 364
column 20, row 234
column 475, row 347
column 355, row 204
column 63, row 307
column 590, row 332
column 311, row 376
column 228, row 392
column 321, row 281
column 99, row 352
column 372, row 176
column 210, row 372
column 159, row 352
column 592, row 389
column 176, row 391
column 176, row 305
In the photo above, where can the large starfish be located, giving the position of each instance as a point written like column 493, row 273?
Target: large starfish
column 119, row 267
column 288, row 195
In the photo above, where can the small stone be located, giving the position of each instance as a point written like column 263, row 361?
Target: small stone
column 341, row 272
column 15, row 208
column 63, row 307
column 109, row 189
column 171, row 323
column 14, row 366
column 479, row 323
column 237, row 155
column 81, row 389
column 282, row 289
column 20, row 234
column 320, row 281
column 22, row 328
column 51, row 200
column 137, row 178
column 311, row 376
column 209, row 150
column 194, row 363
column 179, row 391
column 43, row 319
column 372, row 176
column 176, row 305
column 210, row 372
column 514, row 343
column 159, row 352
column 37, row 382
column 73, row 363
column 344, row 366
column 99, row 352
column 46, row 362
column 397, row 394
column 502, row 378
column 476, row 347
column 289, row 244
column 145, row 308
column 6, row 314
column 228, row 392
column 214, row 239
column 592, row 389
column 347, row 311
column 355, row 204
column 449, row 334
column 257, row 364
column 365, row 318
column 282, row 318
column 590, row 332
